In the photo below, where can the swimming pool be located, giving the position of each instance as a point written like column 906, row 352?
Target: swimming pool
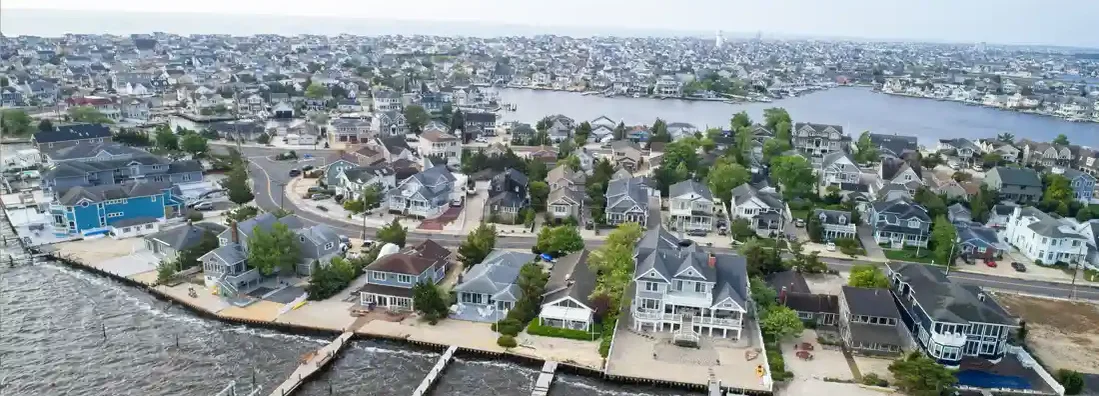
column 981, row 379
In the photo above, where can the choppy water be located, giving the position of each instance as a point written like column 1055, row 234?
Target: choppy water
column 53, row 320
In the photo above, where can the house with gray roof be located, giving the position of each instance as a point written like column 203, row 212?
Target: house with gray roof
column 869, row 321
column 960, row 150
column 690, row 292
column 488, row 291
column 818, row 140
column 893, row 146
column 68, row 174
column 566, row 301
column 1082, row 184
column 83, row 151
column 352, row 181
column 390, row 278
column 167, row 244
column 692, row 206
column 1020, row 185
column 950, row 322
column 838, row 168
column 835, row 224
column 764, row 209
column 507, row 195
column 899, row 223
column 628, row 200
column 424, row 195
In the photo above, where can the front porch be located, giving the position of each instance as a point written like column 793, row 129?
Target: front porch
column 692, row 222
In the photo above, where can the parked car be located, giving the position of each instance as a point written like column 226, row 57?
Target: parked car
column 990, row 263
column 295, row 172
column 307, row 168
column 368, row 243
column 1018, row 266
column 320, row 196
column 196, row 203
column 204, row 205
column 831, row 246
column 316, row 189
column 697, row 233
column 799, row 223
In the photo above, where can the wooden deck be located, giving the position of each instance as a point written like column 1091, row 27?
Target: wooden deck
column 311, row 366
column 545, row 379
column 435, row 372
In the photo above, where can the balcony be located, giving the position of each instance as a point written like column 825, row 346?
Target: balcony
column 689, row 299
column 652, row 314
column 708, row 321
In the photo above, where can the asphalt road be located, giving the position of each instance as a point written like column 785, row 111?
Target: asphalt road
column 270, row 177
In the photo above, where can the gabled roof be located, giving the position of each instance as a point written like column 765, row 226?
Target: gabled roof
column 1017, row 176
column 570, row 277
column 902, row 208
column 946, row 301
column 745, row 192
column 870, row 302
column 792, row 280
column 65, row 133
column 892, row 167
column 830, row 216
column 690, row 186
column 179, row 238
column 895, row 145
column 496, row 275
column 101, row 193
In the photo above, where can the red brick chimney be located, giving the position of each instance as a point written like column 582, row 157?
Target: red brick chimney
column 782, row 296
column 235, row 237
column 712, row 261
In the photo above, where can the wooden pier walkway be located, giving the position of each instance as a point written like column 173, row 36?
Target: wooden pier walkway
column 312, row 365
column 545, row 379
column 435, row 372
column 713, row 388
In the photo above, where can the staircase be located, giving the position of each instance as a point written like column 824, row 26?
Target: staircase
column 685, row 336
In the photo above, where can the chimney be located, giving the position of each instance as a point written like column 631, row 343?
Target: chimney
column 712, row 261
column 235, row 237
column 782, row 296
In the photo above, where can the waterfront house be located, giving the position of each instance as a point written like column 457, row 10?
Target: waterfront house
column 835, row 224
column 838, row 168
column 1082, row 184
column 961, row 150
column 1043, row 238
column 566, row 302
column 764, row 209
column 684, row 290
column 692, row 206
column 143, row 167
column 626, row 155
column 390, row 278
column 793, row 292
column 64, row 135
column 1020, row 185
column 127, row 209
column 507, row 195
column 1046, row 154
column 424, row 195
column 440, row 144
column 628, row 200
column 893, row 146
column 818, row 140
column 899, row 222
column 1007, row 151
column 488, row 290
column 949, row 322
column 869, row 321
column 167, row 244
column 352, row 182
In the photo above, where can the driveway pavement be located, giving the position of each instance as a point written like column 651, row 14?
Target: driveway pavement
column 873, row 251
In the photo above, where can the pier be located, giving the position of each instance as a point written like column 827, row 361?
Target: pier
column 435, row 372
column 545, row 379
column 312, row 364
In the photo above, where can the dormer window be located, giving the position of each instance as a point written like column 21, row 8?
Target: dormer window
column 842, row 220
column 913, row 223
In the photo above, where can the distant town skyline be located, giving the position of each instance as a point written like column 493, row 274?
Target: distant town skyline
column 1056, row 22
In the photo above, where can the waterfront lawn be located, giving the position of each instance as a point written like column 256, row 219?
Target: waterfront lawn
column 549, row 331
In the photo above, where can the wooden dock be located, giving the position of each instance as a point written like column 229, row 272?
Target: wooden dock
column 435, row 372
column 312, row 365
column 545, row 379
column 713, row 388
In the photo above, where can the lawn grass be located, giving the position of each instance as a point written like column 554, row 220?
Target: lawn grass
column 799, row 214
column 909, row 255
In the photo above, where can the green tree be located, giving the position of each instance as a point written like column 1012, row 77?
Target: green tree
column 194, row 143
column 316, row 91
column 559, row 241
column 724, row 177
column 784, row 132
column 583, row 131
column 417, row 118
column 165, row 271
column 1072, row 380
column 393, row 233
column 868, row 276
column 1006, row 137
column 740, row 120
column 565, row 148
column 992, row 159
column 935, row 204
column 429, row 301
column 659, row 132
column 866, row 152
column 166, row 139
column 781, row 323
column 918, row 375
column 1058, row 189
column 372, row 197
column 814, row 228
column 613, row 264
column 536, row 170
column 1061, row 140
column 457, row 120
column 943, row 237
column 45, row 125
column 478, row 245
column 795, row 175
column 88, row 114
column 273, row 251
column 236, row 183
column 15, row 122
column 573, row 162
column 762, row 293
column 539, row 192
column 774, row 116
column 773, row 148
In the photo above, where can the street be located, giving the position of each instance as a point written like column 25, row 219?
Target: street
column 270, row 177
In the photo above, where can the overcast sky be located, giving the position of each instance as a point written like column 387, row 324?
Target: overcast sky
column 1058, row 22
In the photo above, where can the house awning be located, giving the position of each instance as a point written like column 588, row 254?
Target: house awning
column 565, row 313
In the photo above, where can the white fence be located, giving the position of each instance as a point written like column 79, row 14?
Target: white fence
column 1029, row 362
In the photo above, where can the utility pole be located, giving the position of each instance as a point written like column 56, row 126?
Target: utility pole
column 950, row 258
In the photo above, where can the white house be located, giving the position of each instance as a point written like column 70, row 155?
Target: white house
column 838, row 168
column 1044, row 239
column 442, row 144
column 763, row 208
column 566, row 302
column 692, row 206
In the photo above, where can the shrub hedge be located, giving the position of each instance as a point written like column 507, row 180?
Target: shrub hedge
column 506, row 341
column 549, row 331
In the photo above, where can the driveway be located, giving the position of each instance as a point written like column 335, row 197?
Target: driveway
column 872, row 249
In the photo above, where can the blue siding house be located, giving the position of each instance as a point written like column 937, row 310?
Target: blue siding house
column 390, row 278
column 115, row 209
column 1082, row 183
column 949, row 322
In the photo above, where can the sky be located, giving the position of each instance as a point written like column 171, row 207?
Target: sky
column 1047, row 22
